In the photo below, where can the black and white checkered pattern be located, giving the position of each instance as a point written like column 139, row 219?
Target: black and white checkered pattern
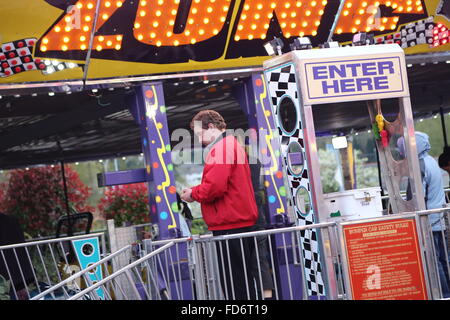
column 413, row 34
column 281, row 83
column 16, row 57
column 419, row 32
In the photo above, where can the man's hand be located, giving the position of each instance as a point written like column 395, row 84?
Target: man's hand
column 186, row 195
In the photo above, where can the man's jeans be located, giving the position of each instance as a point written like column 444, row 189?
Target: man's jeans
column 440, row 247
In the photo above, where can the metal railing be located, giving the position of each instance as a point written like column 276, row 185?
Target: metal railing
column 133, row 275
column 31, row 267
column 267, row 264
column 77, row 278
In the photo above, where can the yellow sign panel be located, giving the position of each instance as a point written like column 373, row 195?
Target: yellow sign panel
column 48, row 40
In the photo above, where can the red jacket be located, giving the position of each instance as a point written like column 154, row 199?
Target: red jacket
column 226, row 192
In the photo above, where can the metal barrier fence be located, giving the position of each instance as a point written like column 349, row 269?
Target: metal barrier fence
column 268, row 264
column 34, row 266
column 80, row 279
column 133, row 274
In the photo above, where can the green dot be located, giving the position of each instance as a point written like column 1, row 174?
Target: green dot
column 162, row 109
column 277, row 153
column 168, row 147
column 175, row 206
column 170, row 167
column 282, row 191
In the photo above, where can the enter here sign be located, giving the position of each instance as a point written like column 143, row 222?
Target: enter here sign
column 357, row 79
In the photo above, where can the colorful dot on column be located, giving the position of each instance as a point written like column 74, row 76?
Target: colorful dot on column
column 163, row 215
column 145, row 142
column 158, row 199
column 282, row 191
column 167, row 147
column 272, row 199
column 175, row 206
column 170, row 167
column 155, row 165
column 149, row 94
column 172, row 189
column 153, row 141
column 148, row 169
column 264, row 151
column 159, row 187
column 162, row 109
column 279, row 174
column 267, row 113
column 267, row 184
column 153, row 208
column 159, row 125
column 258, row 82
column 267, row 172
column 277, row 153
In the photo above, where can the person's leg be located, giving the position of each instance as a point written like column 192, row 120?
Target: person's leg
column 266, row 276
column 442, row 263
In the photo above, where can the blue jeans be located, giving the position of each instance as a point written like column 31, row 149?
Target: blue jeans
column 440, row 247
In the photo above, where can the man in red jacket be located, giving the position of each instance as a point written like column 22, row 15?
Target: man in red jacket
column 227, row 200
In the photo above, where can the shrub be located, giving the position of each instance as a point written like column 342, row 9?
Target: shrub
column 36, row 197
column 126, row 204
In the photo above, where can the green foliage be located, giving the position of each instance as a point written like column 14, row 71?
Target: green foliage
column 328, row 167
column 4, row 288
column 366, row 176
column 199, row 227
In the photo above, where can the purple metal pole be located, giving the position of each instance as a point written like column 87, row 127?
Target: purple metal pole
column 254, row 100
column 149, row 110
column 150, row 113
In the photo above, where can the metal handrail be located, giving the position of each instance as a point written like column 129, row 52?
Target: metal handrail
column 40, row 242
column 80, row 273
column 121, row 271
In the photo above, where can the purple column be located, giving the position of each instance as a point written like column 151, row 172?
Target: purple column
column 150, row 113
column 254, row 100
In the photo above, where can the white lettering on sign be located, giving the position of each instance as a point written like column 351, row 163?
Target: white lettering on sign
column 362, row 78
column 373, row 282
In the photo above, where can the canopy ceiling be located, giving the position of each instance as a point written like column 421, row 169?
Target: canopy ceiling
column 38, row 128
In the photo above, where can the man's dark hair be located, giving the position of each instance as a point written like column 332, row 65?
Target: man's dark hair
column 209, row 116
column 444, row 158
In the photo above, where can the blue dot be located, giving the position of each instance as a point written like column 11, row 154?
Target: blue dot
column 145, row 142
column 163, row 215
column 272, row 199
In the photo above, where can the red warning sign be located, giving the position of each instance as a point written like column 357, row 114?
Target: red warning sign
column 384, row 261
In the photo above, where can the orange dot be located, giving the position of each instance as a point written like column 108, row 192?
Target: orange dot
column 172, row 189
column 264, row 151
column 155, row 165
column 258, row 82
column 149, row 94
column 279, row 174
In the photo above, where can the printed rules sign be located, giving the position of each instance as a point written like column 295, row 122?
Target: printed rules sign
column 384, row 261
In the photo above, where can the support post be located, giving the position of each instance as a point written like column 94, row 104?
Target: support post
column 148, row 108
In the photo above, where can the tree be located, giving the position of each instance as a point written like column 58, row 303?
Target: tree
column 328, row 167
column 36, row 197
column 126, row 204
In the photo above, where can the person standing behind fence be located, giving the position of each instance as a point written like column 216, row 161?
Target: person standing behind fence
column 227, row 201
column 261, row 271
column 444, row 160
column 14, row 264
column 434, row 199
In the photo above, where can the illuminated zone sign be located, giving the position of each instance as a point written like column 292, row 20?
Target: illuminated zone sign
column 176, row 31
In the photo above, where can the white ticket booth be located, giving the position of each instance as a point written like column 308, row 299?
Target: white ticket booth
column 300, row 80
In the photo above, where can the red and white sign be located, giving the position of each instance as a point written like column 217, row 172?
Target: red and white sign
column 384, row 261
